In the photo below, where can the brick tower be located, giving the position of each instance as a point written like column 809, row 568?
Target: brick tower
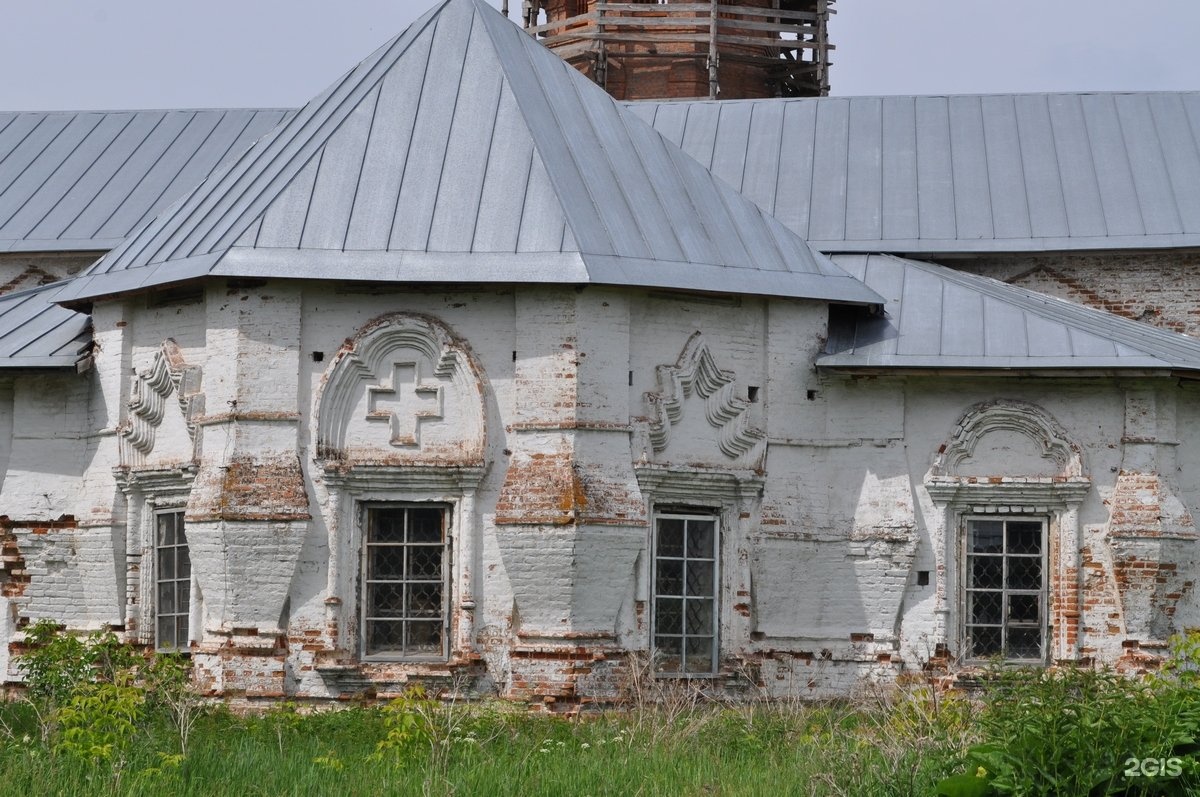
column 674, row 50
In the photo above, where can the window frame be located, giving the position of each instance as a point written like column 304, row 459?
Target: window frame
column 366, row 509
column 687, row 514
column 148, row 492
column 1044, row 626
column 157, row 581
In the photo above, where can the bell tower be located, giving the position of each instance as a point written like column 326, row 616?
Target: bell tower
column 719, row 49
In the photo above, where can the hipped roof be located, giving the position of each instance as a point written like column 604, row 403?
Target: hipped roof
column 463, row 151
column 941, row 319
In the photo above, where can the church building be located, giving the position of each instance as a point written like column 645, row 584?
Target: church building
column 468, row 373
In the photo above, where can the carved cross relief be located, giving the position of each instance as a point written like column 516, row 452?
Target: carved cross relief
column 404, row 403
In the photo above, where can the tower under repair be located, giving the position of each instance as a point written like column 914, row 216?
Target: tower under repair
column 646, row 50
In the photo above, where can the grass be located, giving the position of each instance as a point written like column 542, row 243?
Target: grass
column 101, row 719
column 495, row 750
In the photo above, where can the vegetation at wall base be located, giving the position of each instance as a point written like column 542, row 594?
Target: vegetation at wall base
column 100, row 719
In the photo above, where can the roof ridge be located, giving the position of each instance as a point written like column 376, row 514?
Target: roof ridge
column 917, row 96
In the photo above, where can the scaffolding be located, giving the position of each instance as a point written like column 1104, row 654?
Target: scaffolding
column 783, row 44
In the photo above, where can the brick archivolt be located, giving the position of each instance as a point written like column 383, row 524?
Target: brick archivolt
column 1012, row 415
column 445, row 424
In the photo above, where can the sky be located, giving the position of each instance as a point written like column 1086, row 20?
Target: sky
column 116, row 54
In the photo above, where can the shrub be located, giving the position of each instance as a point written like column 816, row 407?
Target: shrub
column 99, row 721
column 58, row 664
column 1086, row 732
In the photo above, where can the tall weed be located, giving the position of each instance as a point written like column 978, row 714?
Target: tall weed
column 1081, row 731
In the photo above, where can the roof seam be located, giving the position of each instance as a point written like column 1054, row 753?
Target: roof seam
column 311, row 193
column 487, row 162
column 411, row 134
column 123, row 253
column 142, row 179
column 52, row 172
column 987, row 169
column 1087, row 136
column 1058, row 169
column 533, row 158
column 446, row 144
column 110, row 177
column 362, row 164
column 1133, row 182
column 621, row 118
column 1016, row 116
column 1161, row 152
column 25, row 138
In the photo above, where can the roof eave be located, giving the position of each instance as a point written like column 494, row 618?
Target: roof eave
column 58, row 362
column 1060, row 371
column 566, row 268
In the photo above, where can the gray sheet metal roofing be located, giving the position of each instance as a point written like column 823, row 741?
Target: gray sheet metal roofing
column 37, row 333
column 76, row 181
column 464, row 135
column 1000, row 173
column 939, row 318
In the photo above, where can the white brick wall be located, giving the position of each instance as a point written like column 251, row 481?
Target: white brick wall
column 832, row 549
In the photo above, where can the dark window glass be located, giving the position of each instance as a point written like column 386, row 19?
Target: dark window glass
column 1005, row 579
column 172, row 582
column 685, row 594
column 404, row 598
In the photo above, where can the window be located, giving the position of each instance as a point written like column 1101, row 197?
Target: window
column 1005, row 612
column 685, row 593
column 172, row 581
column 404, row 582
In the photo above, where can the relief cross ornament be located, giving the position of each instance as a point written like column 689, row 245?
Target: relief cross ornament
column 404, row 403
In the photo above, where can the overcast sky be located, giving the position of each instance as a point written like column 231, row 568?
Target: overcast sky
column 88, row 54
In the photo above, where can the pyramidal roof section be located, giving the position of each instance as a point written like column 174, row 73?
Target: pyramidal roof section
column 464, row 136
column 939, row 318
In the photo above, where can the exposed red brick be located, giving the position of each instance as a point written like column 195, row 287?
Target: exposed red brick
column 248, row 489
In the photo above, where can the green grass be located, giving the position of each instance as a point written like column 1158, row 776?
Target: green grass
column 1029, row 732
column 101, row 718
column 495, row 750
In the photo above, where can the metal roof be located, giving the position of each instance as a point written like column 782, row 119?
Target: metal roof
column 37, row 333
column 956, row 174
column 960, row 174
column 939, row 318
column 422, row 154
column 78, row 181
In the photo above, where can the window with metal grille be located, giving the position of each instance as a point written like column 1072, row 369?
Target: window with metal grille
column 404, row 582
column 685, row 594
column 172, row 581
column 1005, row 588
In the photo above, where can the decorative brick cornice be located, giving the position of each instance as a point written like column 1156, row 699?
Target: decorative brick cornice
column 1016, row 494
